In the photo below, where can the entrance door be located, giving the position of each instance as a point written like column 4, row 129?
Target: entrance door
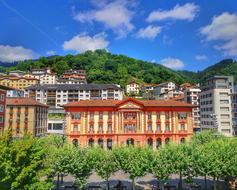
column 130, row 141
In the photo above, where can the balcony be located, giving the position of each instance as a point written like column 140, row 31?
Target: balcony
column 183, row 132
column 158, row 132
column 100, row 132
column 149, row 131
column 91, row 131
column 168, row 132
column 109, row 132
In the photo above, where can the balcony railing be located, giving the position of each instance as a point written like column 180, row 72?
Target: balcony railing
column 75, row 132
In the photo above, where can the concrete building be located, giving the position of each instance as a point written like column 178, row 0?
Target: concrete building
column 192, row 96
column 45, row 76
column 132, row 88
column 234, row 110
column 147, row 90
column 25, row 115
column 215, row 104
column 130, row 121
column 2, row 109
column 18, row 82
column 73, row 77
column 166, row 90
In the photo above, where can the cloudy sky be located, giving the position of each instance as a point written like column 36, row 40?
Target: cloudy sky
column 178, row 34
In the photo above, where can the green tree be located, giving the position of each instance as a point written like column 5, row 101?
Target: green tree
column 60, row 66
column 133, row 160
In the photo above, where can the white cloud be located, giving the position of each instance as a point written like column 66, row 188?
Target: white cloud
column 185, row 12
column 223, row 28
column 16, row 53
column 201, row 57
column 149, row 32
column 115, row 15
column 84, row 42
column 172, row 63
column 50, row 52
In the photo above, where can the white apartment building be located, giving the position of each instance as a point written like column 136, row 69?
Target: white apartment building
column 55, row 96
column 215, row 104
column 234, row 110
column 192, row 95
column 133, row 88
column 166, row 90
column 45, row 76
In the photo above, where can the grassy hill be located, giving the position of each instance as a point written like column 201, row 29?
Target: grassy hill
column 104, row 67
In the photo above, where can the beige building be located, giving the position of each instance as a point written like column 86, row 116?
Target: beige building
column 215, row 104
column 132, row 88
column 18, row 82
column 25, row 115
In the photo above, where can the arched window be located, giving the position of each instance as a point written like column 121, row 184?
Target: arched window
column 101, row 143
column 167, row 140
column 109, row 144
column 158, row 142
column 75, row 142
column 130, row 141
column 182, row 140
column 91, row 142
column 150, row 141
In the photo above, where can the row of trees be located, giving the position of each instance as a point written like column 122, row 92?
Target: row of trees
column 32, row 163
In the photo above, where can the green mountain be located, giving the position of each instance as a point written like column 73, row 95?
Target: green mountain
column 104, row 67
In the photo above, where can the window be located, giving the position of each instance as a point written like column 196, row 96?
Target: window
column 167, row 128
column 1, row 119
column 101, row 116
column 91, row 115
column 182, row 127
column 224, row 101
column 167, row 116
column 149, row 128
column 149, row 115
column 158, row 116
column 76, row 116
column 225, row 116
column 110, row 115
column 75, row 128
column 2, row 97
column 50, row 126
column 91, row 128
column 158, row 128
column 100, row 128
column 1, row 108
column 225, row 123
column 182, row 115
column 224, row 108
column 110, row 128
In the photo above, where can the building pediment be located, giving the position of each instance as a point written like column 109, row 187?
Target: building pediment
column 130, row 104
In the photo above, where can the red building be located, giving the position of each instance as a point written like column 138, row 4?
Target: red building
column 131, row 121
column 2, row 109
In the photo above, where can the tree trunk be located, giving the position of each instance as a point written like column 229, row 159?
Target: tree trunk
column 205, row 179
column 58, row 182
column 107, row 184
column 180, row 181
column 61, row 178
column 133, row 184
column 214, row 185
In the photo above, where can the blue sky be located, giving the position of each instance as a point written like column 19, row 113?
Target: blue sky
column 180, row 34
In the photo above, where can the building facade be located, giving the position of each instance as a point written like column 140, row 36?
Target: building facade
column 215, row 104
column 45, row 76
column 192, row 96
column 131, row 121
column 165, row 91
column 132, row 88
column 18, row 82
column 2, row 109
column 234, row 110
column 25, row 115
column 57, row 95
column 73, row 77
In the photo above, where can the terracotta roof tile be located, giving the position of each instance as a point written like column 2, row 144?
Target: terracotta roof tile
column 23, row 102
column 115, row 103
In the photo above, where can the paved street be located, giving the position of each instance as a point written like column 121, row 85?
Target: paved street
column 146, row 182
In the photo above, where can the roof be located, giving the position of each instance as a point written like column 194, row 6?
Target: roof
column 73, row 87
column 10, row 77
column 116, row 103
column 23, row 101
column 2, row 87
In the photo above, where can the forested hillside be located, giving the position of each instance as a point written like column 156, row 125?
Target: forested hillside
column 104, row 67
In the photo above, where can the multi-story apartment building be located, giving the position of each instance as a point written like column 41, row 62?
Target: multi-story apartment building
column 18, row 82
column 166, row 90
column 45, row 76
column 192, row 95
column 25, row 115
column 16, row 73
column 130, row 121
column 73, row 77
column 132, row 88
column 2, row 109
column 215, row 104
column 234, row 110
column 147, row 90
column 55, row 96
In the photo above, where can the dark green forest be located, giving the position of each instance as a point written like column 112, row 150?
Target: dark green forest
column 104, row 67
